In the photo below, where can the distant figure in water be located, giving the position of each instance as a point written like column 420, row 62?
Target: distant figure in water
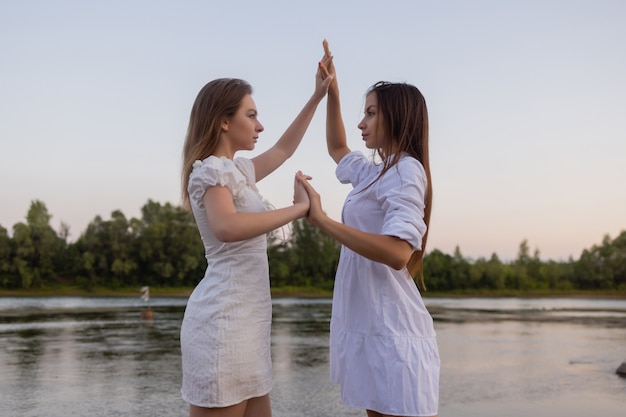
column 146, row 314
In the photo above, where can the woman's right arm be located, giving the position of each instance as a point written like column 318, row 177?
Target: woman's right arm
column 385, row 249
column 229, row 225
column 335, row 129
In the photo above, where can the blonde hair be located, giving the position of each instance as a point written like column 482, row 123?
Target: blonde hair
column 217, row 100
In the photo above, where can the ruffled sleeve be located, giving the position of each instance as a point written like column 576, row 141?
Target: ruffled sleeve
column 402, row 190
column 214, row 171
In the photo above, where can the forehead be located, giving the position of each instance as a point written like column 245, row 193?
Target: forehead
column 371, row 100
column 247, row 103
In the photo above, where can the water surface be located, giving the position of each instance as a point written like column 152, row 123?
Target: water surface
column 67, row 356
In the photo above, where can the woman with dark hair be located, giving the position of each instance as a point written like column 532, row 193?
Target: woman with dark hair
column 225, row 334
column 383, row 348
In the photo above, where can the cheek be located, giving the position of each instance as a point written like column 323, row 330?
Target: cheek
column 380, row 131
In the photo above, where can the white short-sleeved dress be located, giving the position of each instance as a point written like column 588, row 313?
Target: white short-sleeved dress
column 383, row 348
column 225, row 334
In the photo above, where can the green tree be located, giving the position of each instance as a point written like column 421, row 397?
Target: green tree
column 67, row 262
column 618, row 261
column 7, row 269
column 37, row 247
column 488, row 274
column 461, row 271
column 315, row 255
column 170, row 250
column 520, row 279
column 123, row 264
column 557, row 275
column 438, row 271
column 96, row 254
column 604, row 266
column 279, row 261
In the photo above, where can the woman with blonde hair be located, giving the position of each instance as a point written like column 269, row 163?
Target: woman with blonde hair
column 225, row 334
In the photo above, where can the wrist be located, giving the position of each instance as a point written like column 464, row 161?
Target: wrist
column 317, row 97
column 301, row 209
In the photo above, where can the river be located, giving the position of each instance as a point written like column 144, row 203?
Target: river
column 79, row 356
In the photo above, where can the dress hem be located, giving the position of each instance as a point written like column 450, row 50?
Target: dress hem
column 227, row 404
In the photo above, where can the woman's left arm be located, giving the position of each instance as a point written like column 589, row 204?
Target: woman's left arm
column 268, row 161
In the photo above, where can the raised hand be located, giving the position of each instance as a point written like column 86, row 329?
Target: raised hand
column 323, row 78
column 329, row 66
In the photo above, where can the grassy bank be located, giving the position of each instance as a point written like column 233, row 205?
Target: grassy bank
column 72, row 291
column 529, row 294
column 290, row 291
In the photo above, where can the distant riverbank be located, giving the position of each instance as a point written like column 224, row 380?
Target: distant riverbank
column 70, row 291
column 298, row 292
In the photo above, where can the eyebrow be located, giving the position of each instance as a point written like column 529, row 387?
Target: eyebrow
column 370, row 107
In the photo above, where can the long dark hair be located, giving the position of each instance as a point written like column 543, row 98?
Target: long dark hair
column 404, row 114
column 217, row 100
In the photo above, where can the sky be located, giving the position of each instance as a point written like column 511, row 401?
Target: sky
column 527, row 106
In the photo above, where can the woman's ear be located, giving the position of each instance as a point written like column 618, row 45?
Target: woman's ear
column 225, row 125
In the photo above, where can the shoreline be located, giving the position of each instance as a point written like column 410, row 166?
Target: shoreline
column 296, row 292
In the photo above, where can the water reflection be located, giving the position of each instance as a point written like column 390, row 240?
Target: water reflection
column 81, row 356
column 300, row 334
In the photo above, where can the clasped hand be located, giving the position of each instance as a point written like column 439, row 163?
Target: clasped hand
column 305, row 193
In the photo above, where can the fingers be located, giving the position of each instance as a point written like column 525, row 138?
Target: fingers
column 323, row 70
column 329, row 66
column 303, row 177
column 327, row 76
column 304, row 181
column 327, row 59
column 327, row 53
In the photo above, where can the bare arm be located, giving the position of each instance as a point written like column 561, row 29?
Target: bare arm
column 385, row 249
column 388, row 250
column 274, row 157
column 335, row 130
column 229, row 225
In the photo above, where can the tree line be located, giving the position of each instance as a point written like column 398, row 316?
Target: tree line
column 163, row 249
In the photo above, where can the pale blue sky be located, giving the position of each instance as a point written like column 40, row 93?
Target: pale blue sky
column 527, row 105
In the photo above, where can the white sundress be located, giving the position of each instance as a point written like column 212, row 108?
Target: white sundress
column 383, row 348
column 225, row 334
